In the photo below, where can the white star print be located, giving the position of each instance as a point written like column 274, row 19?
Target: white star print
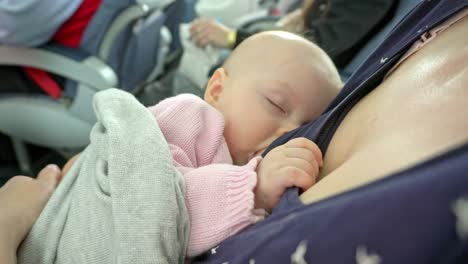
column 460, row 209
column 363, row 258
column 298, row 256
column 252, row 261
column 213, row 250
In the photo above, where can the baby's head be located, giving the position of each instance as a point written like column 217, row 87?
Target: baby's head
column 272, row 83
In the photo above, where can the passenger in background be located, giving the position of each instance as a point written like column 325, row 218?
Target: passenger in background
column 20, row 24
column 340, row 27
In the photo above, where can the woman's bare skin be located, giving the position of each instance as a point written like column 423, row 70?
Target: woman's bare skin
column 417, row 113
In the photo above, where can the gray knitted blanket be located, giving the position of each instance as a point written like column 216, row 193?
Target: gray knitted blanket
column 122, row 201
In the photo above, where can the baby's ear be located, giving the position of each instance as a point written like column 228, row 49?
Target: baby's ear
column 215, row 85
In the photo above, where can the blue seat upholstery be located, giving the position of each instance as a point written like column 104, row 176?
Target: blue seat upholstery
column 180, row 12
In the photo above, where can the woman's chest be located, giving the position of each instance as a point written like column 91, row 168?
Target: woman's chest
column 418, row 112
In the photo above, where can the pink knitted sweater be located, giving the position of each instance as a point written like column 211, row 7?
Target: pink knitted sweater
column 219, row 195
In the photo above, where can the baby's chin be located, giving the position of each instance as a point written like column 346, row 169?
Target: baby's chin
column 240, row 161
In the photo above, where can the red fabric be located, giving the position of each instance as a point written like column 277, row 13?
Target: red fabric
column 69, row 34
column 43, row 79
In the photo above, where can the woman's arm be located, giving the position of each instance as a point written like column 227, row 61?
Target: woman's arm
column 21, row 201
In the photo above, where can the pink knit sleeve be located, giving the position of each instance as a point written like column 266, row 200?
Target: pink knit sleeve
column 193, row 129
column 219, row 195
column 220, row 201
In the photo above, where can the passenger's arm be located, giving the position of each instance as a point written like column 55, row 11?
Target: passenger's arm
column 292, row 22
column 205, row 32
column 33, row 22
column 209, row 32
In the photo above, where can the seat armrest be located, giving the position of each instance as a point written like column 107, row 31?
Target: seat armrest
column 159, row 4
column 91, row 71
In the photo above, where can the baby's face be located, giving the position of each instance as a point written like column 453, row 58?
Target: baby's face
column 264, row 101
column 260, row 109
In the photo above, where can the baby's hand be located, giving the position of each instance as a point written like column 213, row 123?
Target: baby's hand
column 295, row 163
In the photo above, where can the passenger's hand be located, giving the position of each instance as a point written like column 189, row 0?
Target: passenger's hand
column 21, row 201
column 209, row 32
column 292, row 22
column 295, row 163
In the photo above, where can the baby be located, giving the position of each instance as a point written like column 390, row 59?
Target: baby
column 272, row 83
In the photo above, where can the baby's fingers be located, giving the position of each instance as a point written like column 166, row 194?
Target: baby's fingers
column 305, row 143
column 304, row 161
column 306, row 155
column 293, row 176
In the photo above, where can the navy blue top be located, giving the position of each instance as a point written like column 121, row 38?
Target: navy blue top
column 413, row 216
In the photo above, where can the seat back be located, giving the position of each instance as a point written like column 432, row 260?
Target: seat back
column 179, row 12
column 128, row 35
column 403, row 8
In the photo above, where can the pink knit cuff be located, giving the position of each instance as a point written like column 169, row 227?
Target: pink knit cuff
column 227, row 209
column 241, row 199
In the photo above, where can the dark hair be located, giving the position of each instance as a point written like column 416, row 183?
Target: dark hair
column 313, row 10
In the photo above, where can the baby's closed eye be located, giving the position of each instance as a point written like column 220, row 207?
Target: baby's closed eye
column 277, row 106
